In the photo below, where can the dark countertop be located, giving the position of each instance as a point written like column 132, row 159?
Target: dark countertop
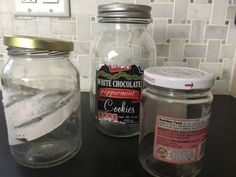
column 104, row 156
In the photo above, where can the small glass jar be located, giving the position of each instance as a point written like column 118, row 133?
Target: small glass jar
column 41, row 99
column 175, row 112
column 120, row 53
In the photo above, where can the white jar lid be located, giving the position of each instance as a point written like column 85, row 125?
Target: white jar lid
column 179, row 78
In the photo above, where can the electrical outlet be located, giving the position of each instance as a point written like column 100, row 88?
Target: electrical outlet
column 58, row 8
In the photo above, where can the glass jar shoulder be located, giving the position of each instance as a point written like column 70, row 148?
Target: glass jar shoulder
column 43, row 73
column 124, row 48
column 107, row 41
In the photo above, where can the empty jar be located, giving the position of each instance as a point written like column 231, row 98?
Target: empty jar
column 41, row 99
column 175, row 113
column 120, row 53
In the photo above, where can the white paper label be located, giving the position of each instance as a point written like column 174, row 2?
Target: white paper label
column 35, row 116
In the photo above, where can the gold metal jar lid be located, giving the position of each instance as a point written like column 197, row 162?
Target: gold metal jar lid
column 33, row 42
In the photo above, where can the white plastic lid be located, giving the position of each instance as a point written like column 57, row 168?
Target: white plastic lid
column 179, row 78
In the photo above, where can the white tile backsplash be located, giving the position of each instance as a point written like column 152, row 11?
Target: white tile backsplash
column 45, row 27
column 231, row 2
column 82, row 48
column 216, row 32
column 160, row 61
column 161, row 10
column 219, row 12
column 201, row 1
column 64, row 27
column 175, row 64
column 84, row 61
column 178, row 31
column 233, row 81
column 2, row 48
column 160, row 0
column 227, row 69
column 6, row 6
column 197, row 31
column 144, row 2
column 191, row 33
column 215, row 68
column 162, row 50
column 231, row 12
column 213, row 51
column 26, row 27
column 221, row 87
column 160, row 31
column 84, row 29
column 199, row 11
column 83, row 8
column 6, row 19
column 1, row 67
column 192, row 50
column 220, row 1
column 227, row 51
column 193, row 62
column 232, row 35
column 180, row 11
column 176, row 50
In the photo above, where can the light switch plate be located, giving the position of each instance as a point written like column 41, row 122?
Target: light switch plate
column 57, row 8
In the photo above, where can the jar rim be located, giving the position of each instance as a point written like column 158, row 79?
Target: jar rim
column 121, row 12
column 181, row 78
column 38, row 43
column 159, row 89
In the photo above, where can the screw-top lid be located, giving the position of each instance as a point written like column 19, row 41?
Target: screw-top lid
column 180, row 78
column 32, row 42
column 117, row 11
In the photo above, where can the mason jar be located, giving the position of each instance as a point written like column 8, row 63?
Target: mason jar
column 41, row 98
column 120, row 53
column 175, row 113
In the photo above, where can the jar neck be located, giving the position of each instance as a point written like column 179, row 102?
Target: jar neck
column 119, row 27
column 35, row 53
column 125, row 20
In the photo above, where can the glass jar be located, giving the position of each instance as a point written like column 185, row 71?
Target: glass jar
column 175, row 112
column 120, row 53
column 41, row 99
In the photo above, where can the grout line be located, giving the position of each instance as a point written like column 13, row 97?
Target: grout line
column 232, row 81
column 174, row 9
column 204, row 30
column 212, row 10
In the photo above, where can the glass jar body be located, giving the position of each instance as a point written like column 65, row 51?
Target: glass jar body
column 41, row 99
column 119, row 46
column 186, row 108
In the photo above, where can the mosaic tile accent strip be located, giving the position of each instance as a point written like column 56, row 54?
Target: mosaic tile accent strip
column 191, row 33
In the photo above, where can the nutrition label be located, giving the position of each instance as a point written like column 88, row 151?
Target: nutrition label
column 180, row 140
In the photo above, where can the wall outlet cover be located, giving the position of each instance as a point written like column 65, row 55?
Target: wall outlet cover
column 48, row 8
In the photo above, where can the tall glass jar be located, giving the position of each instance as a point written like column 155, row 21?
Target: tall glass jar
column 120, row 53
column 41, row 99
column 175, row 112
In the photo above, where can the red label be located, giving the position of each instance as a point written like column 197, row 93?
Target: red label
column 189, row 85
column 108, row 116
column 179, row 141
column 119, row 93
column 119, row 68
